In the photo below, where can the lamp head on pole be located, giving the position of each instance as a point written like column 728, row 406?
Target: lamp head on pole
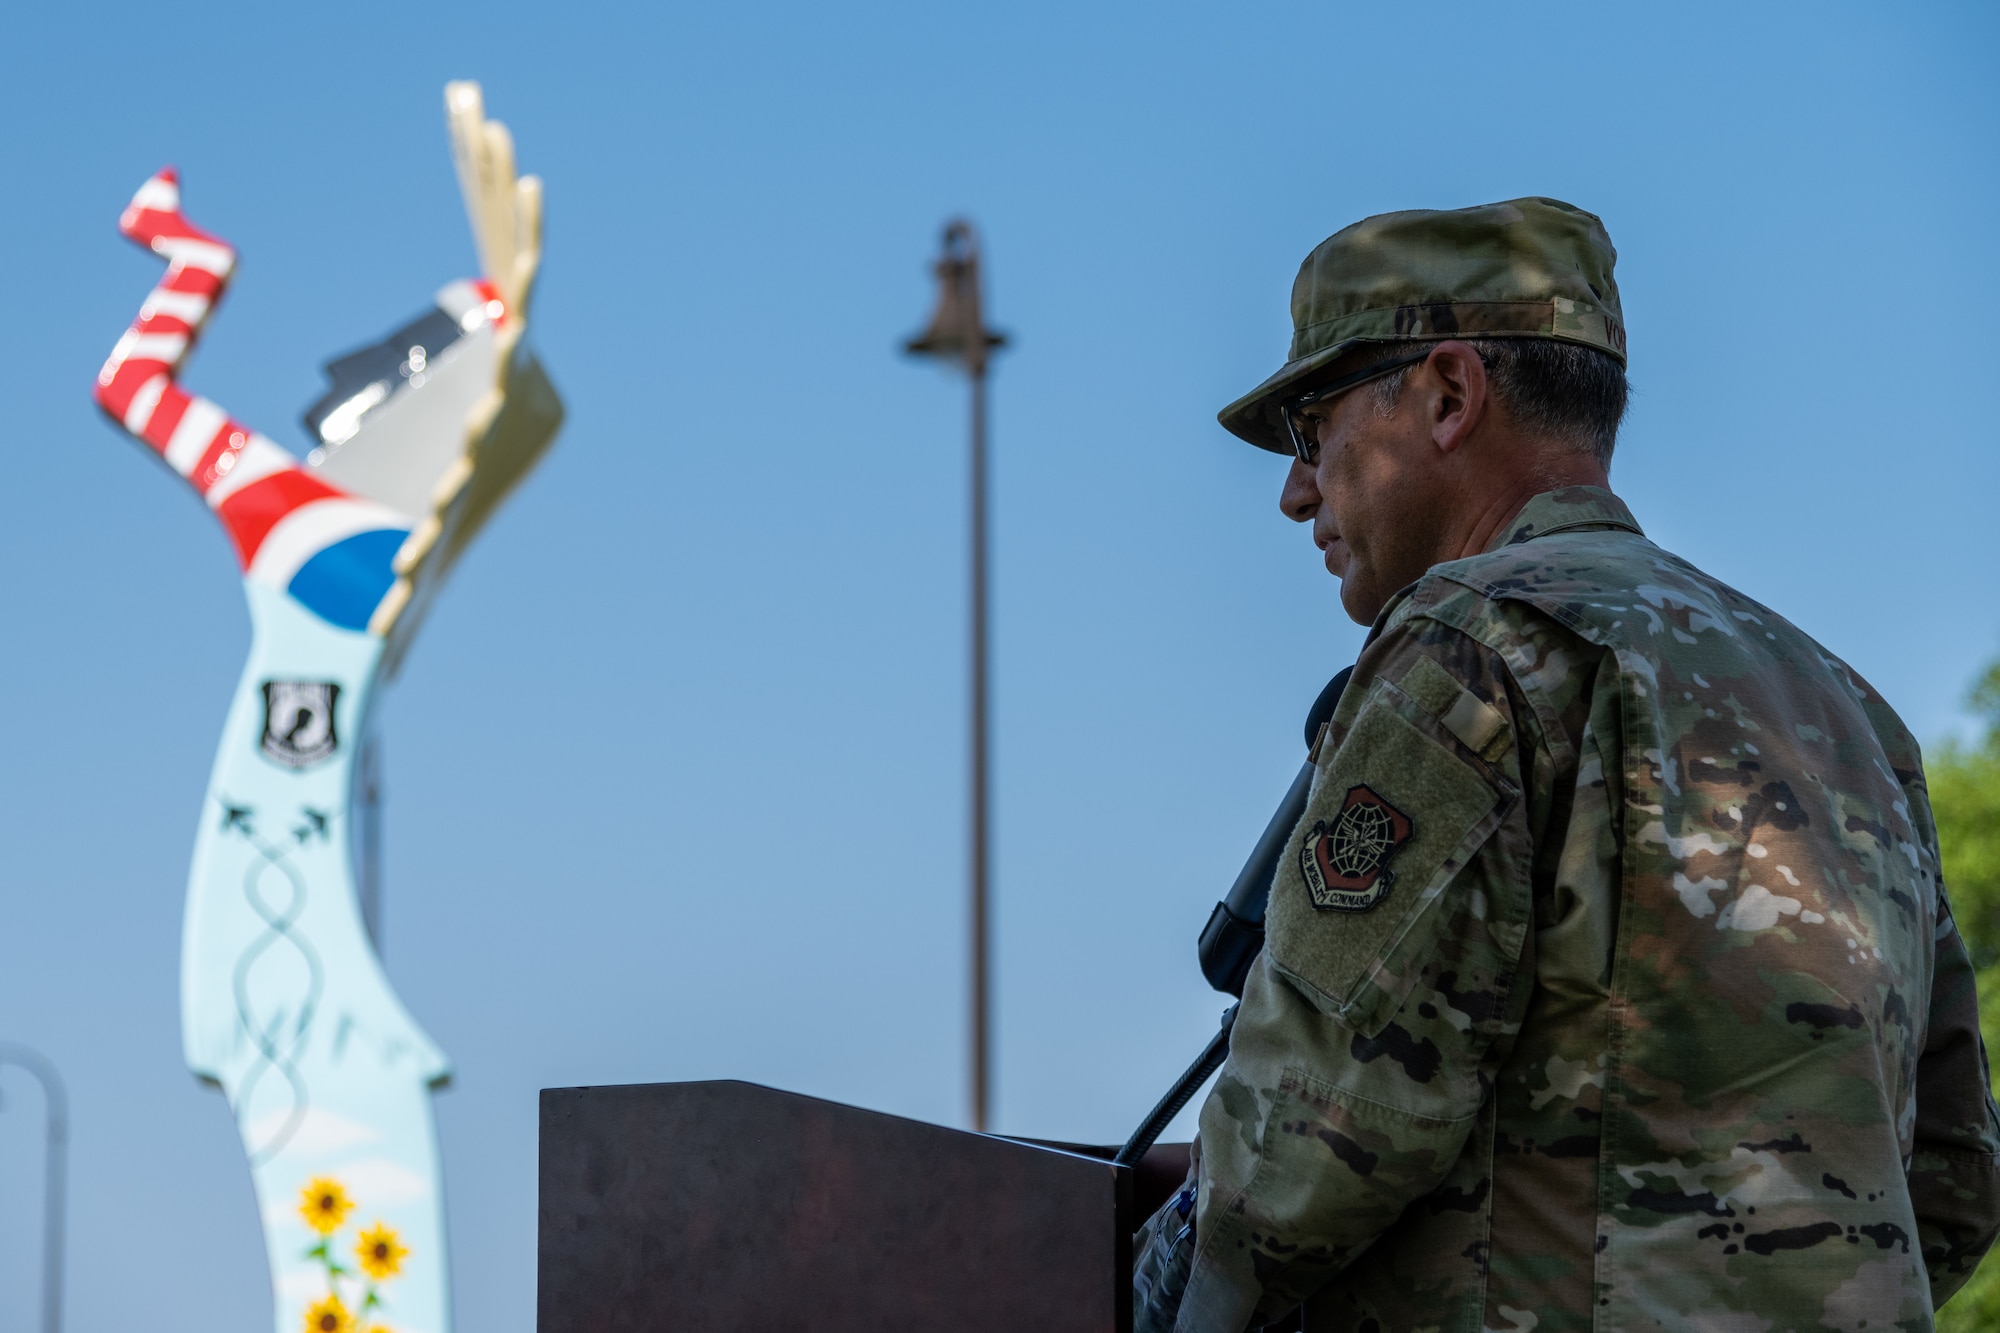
column 957, row 331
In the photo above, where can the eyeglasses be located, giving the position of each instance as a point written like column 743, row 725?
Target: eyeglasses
column 1305, row 433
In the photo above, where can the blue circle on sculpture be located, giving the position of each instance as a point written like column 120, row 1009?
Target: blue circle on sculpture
column 344, row 583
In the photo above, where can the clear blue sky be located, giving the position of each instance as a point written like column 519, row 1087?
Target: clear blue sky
column 675, row 769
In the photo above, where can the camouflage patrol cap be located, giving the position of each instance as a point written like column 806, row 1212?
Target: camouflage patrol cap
column 1527, row 268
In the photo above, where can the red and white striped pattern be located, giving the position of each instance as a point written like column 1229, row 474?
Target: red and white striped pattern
column 277, row 513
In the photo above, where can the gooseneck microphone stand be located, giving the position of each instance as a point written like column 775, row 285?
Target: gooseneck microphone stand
column 1234, row 935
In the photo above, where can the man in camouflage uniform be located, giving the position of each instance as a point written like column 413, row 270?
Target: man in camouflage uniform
column 1608, row 979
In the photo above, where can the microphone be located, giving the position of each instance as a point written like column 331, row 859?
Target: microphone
column 1235, row 929
column 1234, row 934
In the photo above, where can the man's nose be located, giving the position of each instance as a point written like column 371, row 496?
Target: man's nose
column 1300, row 498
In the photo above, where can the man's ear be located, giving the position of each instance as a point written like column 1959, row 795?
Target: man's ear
column 1460, row 393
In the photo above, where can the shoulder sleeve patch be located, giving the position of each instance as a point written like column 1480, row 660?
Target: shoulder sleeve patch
column 1400, row 810
column 1345, row 860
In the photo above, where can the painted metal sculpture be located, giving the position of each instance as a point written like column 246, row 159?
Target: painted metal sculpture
column 283, row 999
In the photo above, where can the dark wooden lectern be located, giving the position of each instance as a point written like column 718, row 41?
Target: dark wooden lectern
column 690, row 1207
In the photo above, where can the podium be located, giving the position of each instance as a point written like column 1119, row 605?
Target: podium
column 724, row 1206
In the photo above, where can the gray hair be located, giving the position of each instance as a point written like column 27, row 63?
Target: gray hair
column 1574, row 393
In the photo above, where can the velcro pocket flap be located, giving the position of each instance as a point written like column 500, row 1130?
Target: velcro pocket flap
column 1358, row 901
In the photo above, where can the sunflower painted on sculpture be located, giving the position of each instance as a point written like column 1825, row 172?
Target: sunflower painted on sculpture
column 329, row 1316
column 324, row 1205
column 380, row 1251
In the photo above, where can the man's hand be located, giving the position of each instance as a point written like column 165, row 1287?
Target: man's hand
column 1163, row 1254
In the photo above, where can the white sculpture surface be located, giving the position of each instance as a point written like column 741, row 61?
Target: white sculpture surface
column 284, row 1001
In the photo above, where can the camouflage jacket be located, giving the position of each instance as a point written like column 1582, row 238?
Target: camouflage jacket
column 1609, row 982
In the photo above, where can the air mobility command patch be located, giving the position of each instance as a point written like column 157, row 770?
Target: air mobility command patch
column 1345, row 860
column 1364, row 889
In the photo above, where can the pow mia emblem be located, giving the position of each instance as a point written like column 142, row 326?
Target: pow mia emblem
column 298, row 721
column 1346, row 860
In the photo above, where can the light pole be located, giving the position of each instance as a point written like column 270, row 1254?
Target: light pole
column 54, row 1181
column 958, row 333
column 368, row 836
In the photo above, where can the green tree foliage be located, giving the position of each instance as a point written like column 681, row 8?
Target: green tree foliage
column 1965, row 796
